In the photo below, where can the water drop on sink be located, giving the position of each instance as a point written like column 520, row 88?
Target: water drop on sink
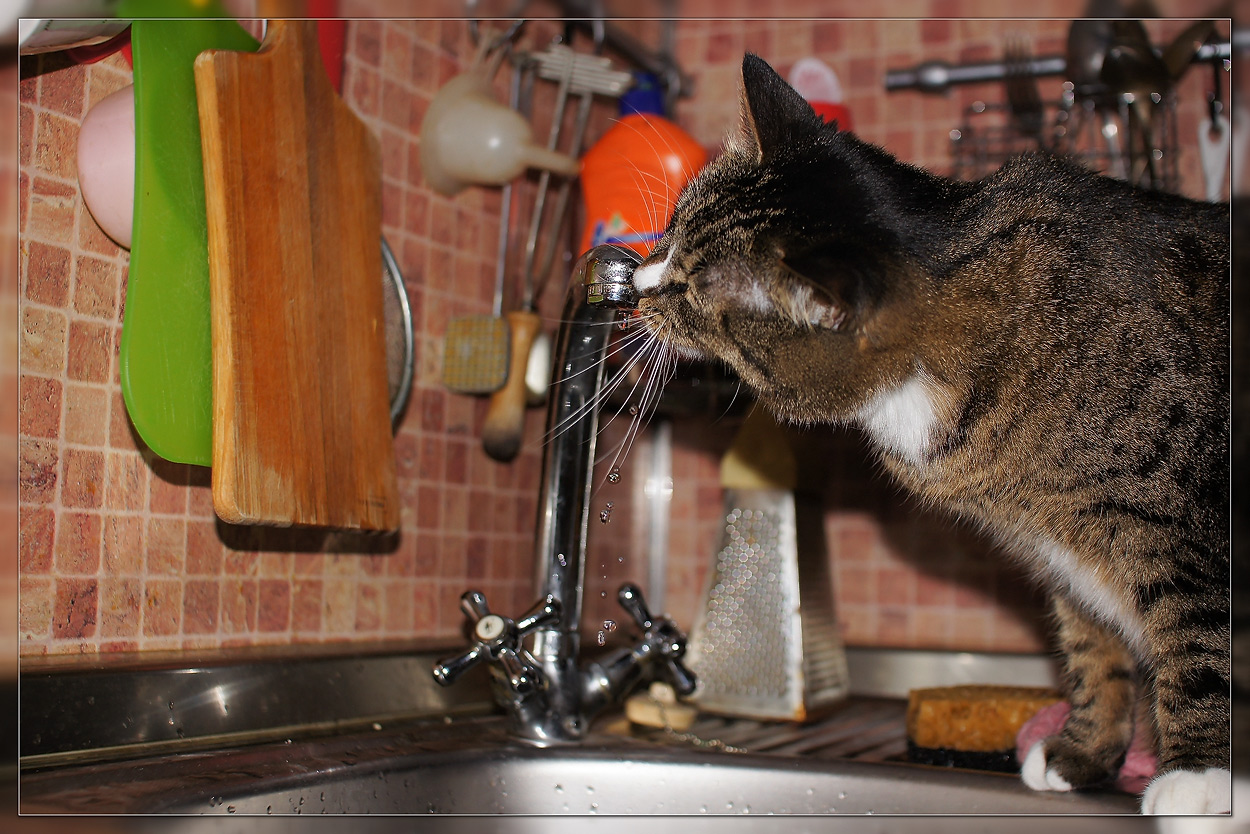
column 559, row 788
column 615, row 475
column 605, row 516
column 230, row 809
column 609, row 626
column 601, row 638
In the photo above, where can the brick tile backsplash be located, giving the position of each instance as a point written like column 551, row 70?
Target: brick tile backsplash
column 121, row 551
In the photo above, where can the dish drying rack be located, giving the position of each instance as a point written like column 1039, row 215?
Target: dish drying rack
column 1092, row 131
column 1116, row 115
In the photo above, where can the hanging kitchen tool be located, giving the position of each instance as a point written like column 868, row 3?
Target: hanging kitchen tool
column 586, row 76
column 301, row 424
column 1215, row 137
column 475, row 348
column 165, row 355
column 469, row 138
column 766, row 644
column 400, row 339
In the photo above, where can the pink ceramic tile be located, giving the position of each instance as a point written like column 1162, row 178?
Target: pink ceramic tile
column 47, row 270
column 86, row 414
column 166, row 546
column 43, row 338
column 78, row 544
column 306, row 605
column 95, row 287
column 51, row 211
column 75, row 608
column 39, row 403
column 201, row 605
column 162, row 607
column 35, row 539
column 90, row 351
column 273, row 606
column 122, row 543
column 238, row 605
column 126, row 481
column 121, row 607
column 83, row 478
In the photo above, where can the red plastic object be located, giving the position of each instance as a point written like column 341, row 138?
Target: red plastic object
column 831, row 112
column 99, row 51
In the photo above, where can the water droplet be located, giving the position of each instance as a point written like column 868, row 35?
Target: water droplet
column 605, row 516
column 230, row 809
column 601, row 638
column 559, row 788
column 589, row 789
column 268, row 809
column 562, row 561
column 615, row 475
column 633, row 411
column 609, row 626
column 171, row 706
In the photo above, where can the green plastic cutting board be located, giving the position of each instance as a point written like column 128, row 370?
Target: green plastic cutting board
column 166, row 345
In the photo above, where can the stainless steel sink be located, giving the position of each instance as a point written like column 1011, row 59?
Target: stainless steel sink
column 470, row 766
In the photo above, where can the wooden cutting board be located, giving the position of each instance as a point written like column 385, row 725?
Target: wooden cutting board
column 301, row 418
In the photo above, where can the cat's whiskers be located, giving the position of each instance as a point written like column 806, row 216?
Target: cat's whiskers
column 659, row 368
column 607, row 388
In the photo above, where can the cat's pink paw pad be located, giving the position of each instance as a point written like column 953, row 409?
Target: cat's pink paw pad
column 1189, row 792
column 1037, row 776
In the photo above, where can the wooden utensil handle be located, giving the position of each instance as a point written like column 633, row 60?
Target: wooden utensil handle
column 505, row 417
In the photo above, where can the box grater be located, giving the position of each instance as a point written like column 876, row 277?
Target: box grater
column 765, row 642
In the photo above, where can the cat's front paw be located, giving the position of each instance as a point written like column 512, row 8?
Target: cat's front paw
column 1037, row 775
column 1190, row 792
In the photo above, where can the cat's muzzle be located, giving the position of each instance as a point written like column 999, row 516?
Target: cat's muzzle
column 607, row 272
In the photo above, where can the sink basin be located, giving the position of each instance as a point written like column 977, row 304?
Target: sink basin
column 470, row 766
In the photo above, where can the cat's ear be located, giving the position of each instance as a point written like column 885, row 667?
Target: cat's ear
column 819, row 290
column 773, row 114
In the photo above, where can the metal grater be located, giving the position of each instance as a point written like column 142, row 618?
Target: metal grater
column 766, row 644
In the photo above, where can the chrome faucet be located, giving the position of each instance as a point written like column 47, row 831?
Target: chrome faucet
column 549, row 696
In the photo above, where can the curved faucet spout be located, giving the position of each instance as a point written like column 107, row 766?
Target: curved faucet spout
column 600, row 286
column 560, row 698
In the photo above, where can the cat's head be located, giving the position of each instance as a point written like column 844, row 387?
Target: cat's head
column 774, row 258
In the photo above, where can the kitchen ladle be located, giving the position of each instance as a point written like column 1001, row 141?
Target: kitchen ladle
column 469, row 138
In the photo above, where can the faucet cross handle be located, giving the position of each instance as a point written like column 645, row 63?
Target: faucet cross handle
column 660, row 637
column 498, row 638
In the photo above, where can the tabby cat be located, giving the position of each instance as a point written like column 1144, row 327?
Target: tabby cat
column 1044, row 352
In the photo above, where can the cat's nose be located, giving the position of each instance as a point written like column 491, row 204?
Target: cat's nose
column 649, row 275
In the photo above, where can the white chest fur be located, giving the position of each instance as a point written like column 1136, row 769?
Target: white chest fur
column 902, row 419
column 1090, row 590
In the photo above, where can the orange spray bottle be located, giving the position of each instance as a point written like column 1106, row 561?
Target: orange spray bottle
column 631, row 177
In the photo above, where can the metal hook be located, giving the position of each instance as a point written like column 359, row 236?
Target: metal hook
column 1215, row 100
